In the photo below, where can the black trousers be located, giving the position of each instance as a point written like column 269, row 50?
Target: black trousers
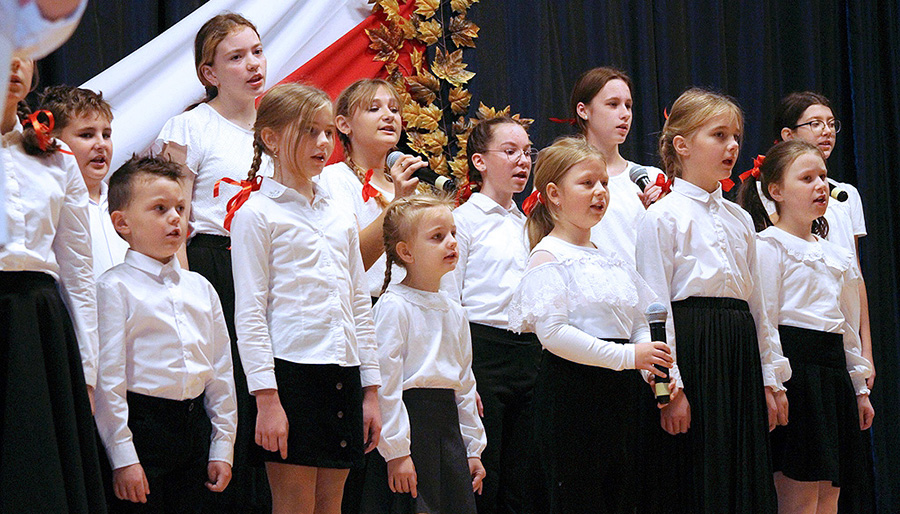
column 506, row 368
column 172, row 442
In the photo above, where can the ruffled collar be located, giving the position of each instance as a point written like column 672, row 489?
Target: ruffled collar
column 425, row 299
column 809, row 251
column 566, row 252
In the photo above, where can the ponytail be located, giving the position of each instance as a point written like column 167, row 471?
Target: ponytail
column 539, row 224
column 258, row 150
column 748, row 198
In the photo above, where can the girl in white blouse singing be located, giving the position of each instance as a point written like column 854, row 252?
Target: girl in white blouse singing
column 586, row 306
column 432, row 437
column 698, row 253
column 809, row 286
column 303, row 317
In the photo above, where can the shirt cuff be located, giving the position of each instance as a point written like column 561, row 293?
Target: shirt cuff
column 370, row 377
column 222, row 450
column 90, row 377
column 390, row 453
column 123, row 455
column 629, row 356
column 261, row 380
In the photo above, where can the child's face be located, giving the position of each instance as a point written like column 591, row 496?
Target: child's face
column 90, row 138
column 823, row 135
column 709, row 154
column 239, row 65
column 153, row 223
column 506, row 165
column 316, row 145
column 433, row 247
column 609, row 113
column 803, row 190
column 21, row 72
column 376, row 124
column 581, row 197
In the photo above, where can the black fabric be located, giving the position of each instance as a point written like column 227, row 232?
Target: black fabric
column 48, row 452
column 506, row 365
column 444, row 484
column 171, row 438
column 586, row 424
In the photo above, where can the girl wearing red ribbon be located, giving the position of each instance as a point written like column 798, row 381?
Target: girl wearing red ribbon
column 697, row 251
column 602, row 104
column 48, row 338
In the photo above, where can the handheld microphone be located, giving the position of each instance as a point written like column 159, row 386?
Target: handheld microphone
column 837, row 192
column 446, row 184
column 639, row 176
column 656, row 318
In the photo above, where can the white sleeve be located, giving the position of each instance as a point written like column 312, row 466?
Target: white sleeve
column 111, row 404
column 858, row 366
column 362, row 314
column 220, row 398
column 470, row 425
column 765, row 305
column 391, row 331
column 36, row 36
column 250, row 250
column 182, row 131
column 857, row 215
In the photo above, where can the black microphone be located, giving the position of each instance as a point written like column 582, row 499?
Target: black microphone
column 639, row 176
column 447, row 184
column 656, row 318
column 837, row 192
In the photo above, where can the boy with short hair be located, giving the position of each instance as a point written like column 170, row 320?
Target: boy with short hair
column 166, row 408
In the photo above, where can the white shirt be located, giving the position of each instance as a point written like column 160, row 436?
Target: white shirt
column 216, row 148
column 344, row 187
column 618, row 230
column 493, row 255
column 162, row 334
column 695, row 243
column 46, row 214
column 581, row 299
column 107, row 246
column 811, row 285
column 423, row 342
column 300, row 286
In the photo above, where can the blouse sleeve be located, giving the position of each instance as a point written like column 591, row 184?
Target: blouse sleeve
column 776, row 369
column 182, row 131
column 362, row 314
column 470, row 425
column 858, row 366
column 391, row 331
column 220, row 399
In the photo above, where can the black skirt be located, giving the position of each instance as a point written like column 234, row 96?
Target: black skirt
column 48, row 459
column 323, row 404
column 586, row 422
column 444, row 484
column 822, row 441
column 723, row 463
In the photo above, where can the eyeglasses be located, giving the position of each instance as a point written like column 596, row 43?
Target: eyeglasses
column 514, row 154
column 818, row 126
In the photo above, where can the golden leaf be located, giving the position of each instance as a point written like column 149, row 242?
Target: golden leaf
column 427, row 8
column 449, row 66
column 462, row 127
column 459, row 100
column 424, row 87
column 435, row 142
column 386, row 42
column 411, row 115
column 430, row 117
column 416, row 142
column 459, row 167
column 486, row 113
column 407, row 28
column 405, row 98
column 438, row 163
column 430, row 32
column 526, row 122
column 390, row 7
column 462, row 31
column 418, row 60
column 461, row 5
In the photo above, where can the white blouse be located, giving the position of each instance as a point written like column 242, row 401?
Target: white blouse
column 695, row 243
column 582, row 298
column 49, row 231
column 162, row 334
column 300, row 286
column 493, row 255
column 107, row 246
column 216, row 148
column 812, row 285
column 423, row 342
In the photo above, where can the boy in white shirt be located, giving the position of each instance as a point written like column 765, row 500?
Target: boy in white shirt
column 166, row 407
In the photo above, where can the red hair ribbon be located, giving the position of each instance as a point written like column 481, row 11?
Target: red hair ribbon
column 665, row 185
column 754, row 171
column 533, row 199
column 463, row 193
column 565, row 121
column 42, row 130
column 369, row 190
column 665, row 113
column 247, row 187
column 727, row 184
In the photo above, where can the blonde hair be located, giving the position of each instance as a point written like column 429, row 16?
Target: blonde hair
column 355, row 96
column 289, row 108
column 207, row 40
column 552, row 165
column 693, row 108
column 401, row 220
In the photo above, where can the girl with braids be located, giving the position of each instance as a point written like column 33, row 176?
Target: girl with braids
column 809, row 286
column 367, row 116
column 48, row 337
column 303, row 317
column 586, row 306
column 432, row 437
column 492, row 259
column 697, row 251
column 213, row 140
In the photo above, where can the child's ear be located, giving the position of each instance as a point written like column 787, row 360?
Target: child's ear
column 404, row 253
column 553, row 193
column 681, row 146
column 120, row 223
column 209, row 74
column 270, row 139
column 342, row 124
column 786, row 134
column 775, row 192
column 581, row 111
column 478, row 161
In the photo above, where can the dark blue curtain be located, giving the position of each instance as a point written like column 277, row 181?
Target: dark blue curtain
column 530, row 52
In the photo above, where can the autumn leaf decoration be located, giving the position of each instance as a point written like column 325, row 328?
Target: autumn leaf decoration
column 436, row 101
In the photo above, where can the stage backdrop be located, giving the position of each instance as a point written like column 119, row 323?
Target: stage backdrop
column 529, row 54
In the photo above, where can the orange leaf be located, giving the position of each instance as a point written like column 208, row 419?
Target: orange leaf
column 386, row 42
column 449, row 66
column 430, row 32
column 416, row 142
column 461, row 5
column 435, row 142
column 462, row 31
column 418, row 60
column 486, row 113
column 430, row 117
column 427, row 8
column 438, row 163
column 411, row 114
column 459, row 100
column 526, row 122
column 390, row 7
column 424, row 87
column 459, row 167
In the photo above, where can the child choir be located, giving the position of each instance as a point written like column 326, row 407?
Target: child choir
column 235, row 327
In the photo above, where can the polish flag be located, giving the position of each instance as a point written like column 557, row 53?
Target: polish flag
column 317, row 42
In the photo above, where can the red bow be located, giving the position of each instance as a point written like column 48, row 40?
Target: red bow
column 754, row 171
column 247, row 187
column 533, row 199
column 665, row 113
column 665, row 185
column 41, row 130
column 569, row 121
column 369, row 190
column 463, row 193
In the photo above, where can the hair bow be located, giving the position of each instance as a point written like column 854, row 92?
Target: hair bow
column 42, row 130
column 665, row 185
column 754, row 171
column 247, row 187
column 533, row 199
column 368, row 190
